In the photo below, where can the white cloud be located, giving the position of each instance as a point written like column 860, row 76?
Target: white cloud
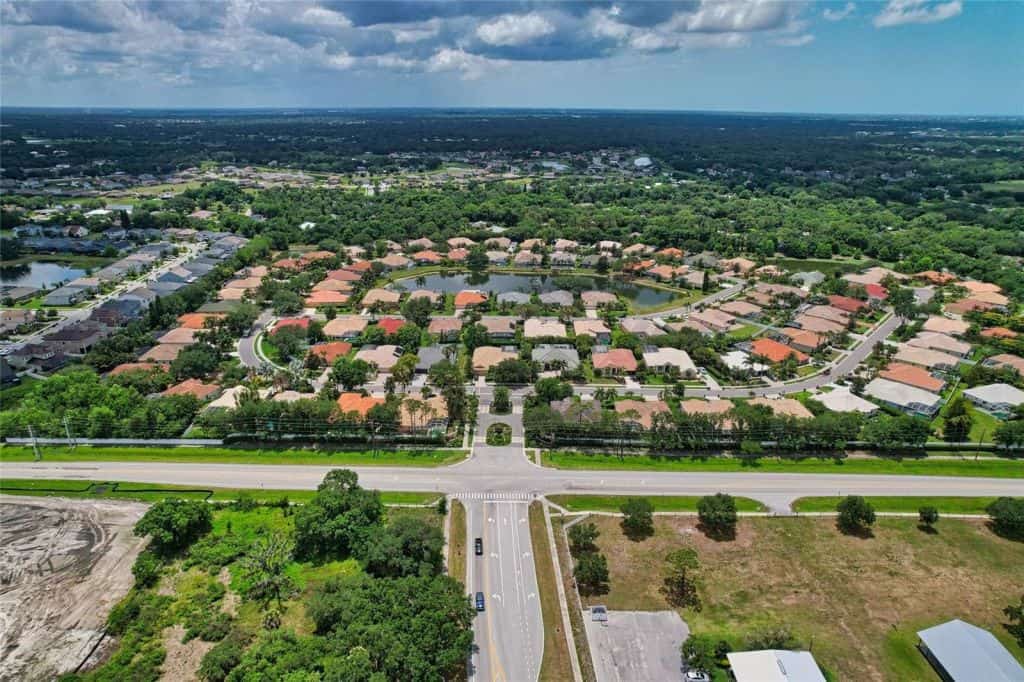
column 795, row 41
column 514, row 29
column 899, row 12
column 470, row 66
column 839, row 14
column 723, row 16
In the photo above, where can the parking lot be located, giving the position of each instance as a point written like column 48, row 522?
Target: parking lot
column 637, row 646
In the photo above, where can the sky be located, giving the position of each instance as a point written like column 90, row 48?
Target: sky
column 959, row 57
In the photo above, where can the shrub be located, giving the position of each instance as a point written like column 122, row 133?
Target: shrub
column 1007, row 515
column 592, row 573
column 717, row 513
column 219, row 661
column 928, row 516
column 637, row 518
column 146, row 569
column 856, row 515
column 174, row 524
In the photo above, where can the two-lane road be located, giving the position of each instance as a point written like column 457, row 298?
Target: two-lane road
column 509, row 633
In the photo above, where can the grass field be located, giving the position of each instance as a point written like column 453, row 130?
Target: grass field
column 457, row 541
column 856, row 602
column 556, row 665
column 744, row 332
column 662, row 503
column 990, row 467
column 227, row 455
column 1004, row 186
column 948, row 505
column 154, row 492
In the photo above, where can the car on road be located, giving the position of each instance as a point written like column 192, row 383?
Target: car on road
column 479, row 601
column 478, row 546
column 696, row 676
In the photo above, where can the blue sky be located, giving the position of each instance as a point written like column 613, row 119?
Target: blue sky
column 898, row 56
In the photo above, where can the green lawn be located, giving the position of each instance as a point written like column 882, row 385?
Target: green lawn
column 983, row 425
column 154, row 492
column 949, row 505
column 744, row 333
column 227, row 455
column 999, row 468
column 661, row 503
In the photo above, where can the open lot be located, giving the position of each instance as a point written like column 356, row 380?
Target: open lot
column 64, row 564
column 857, row 602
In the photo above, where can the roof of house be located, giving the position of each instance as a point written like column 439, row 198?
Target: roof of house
column 442, row 325
column 390, row 325
column 967, row 653
column 1006, row 360
column 999, row 333
column 300, row 322
column 967, row 305
column 513, row 297
column 528, row 258
column 614, row 358
column 976, row 287
column 322, row 297
column 802, row 337
column 185, row 335
column 912, row 375
column 197, row 320
column 358, row 403
column 926, row 357
column 901, row 394
column 774, row 665
column 775, row 351
column 135, row 367
column 738, row 264
column 740, row 308
column 165, row 352
column 996, row 393
column 546, row 353
column 674, row 357
column 944, row 325
column 436, row 408
column 713, row 318
column 784, row 407
column 538, row 327
column 427, row 256
column 840, row 399
column 495, row 324
column 381, row 296
column 192, row 387
column 429, row 356
column 876, row 291
column 873, row 275
column 457, row 254
column 818, row 324
column 714, row 406
column 847, row 303
column 590, row 327
column 645, row 409
column 485, row 357
column 344, row 275
column 345, row 325
column 469, row 297
column 937, row 341
column 596, row 298
column 384, row 356
column 457, row 242
column 639, row 325
column 331, row 350
column 559, row 297
column 394, row 260
column 827, row 312
column 428, row 294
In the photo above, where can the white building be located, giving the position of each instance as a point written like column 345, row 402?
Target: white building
column 774, row 665
column 999, row 399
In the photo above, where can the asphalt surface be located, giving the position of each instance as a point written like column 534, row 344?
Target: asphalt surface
column 247, row 344
column 633, row 646
column 509, row 634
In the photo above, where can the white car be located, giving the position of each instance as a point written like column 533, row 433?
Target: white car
column 696, row 676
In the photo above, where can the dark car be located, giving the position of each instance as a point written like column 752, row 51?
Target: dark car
column 478, row 546
column 479, row 601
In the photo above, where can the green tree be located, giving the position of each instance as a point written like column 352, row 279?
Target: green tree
column 549, row 389
column 717, row 513
column 591, row 573
column 405, row 369
column 339, row 519
column 1015, row 615
column 406, row 547
column 289, row 340
column 699, row 653
column 477, row 259
column 1010, row 434
column 195, row 362
column 502, row 403
column 903, row 302
column 263, row 568
column 174, row 524
column 637, row 518
column 286, row 302
column 928, row 516
column 957, row 424
column 418, row 310
column 146, row 569
column 511, row 371
column 1007, row 516
column 350, row 372
column 681, row 585
column 583, row 537
column 856, row 515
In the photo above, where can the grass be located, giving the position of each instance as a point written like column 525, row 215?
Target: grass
column 948, row 505
column 1004, row 186
column 154, row 492
column 744, row 332
column 857, row 603
column 556, row 664
column 662, row 503
column 457, row 541
column 987, row 467
column 983, row 425
column 228, row 455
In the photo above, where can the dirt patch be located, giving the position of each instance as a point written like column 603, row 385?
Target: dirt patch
column 63, row 565
column 229, row 604
column 183, row 659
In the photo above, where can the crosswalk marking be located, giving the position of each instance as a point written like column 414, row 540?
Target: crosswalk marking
column 497, row 497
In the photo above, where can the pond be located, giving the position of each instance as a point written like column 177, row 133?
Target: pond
column 637, row 294
column 39, row 275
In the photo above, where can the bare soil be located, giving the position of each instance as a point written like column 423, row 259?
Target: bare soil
column 63, row 565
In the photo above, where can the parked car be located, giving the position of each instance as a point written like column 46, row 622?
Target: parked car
column 479, row 601
column 696, row 676
column 478, row 546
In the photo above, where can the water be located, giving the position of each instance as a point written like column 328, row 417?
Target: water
column 501, row 282
column 39, row 275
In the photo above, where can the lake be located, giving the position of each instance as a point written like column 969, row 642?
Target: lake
column 497, row 283
column 39, row 275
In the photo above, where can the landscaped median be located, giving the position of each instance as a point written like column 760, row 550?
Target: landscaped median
column 901, row 505
column 992, row 467
column 228, row 455
column 154, row 492
column 661, row 503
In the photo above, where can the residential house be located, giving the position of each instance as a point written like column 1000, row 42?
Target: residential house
column 640, row 326
column 383, row 357
column 541, row 328
column 840, row 399
column 460, row 243
column 345, row 327
column 528, row 259
column 500, row 243
column 429, row 294
column 818, row 325
column 430, row 356
column 531, row 244
column 737, row 265
column 741, row 309
column 903, row 397
column 430, row 416
column 608, row 246
column 499, row 328
column 595, row 299
column 639, row 414
column 470, row 298
column 395, row 261
column 498, row 257
column 670, row 253
column 357, row 406
column 776, row 352
column 613, row 361
column 941, row 342
column 183, row 335
column 576, row 411
column 556, row 356
column 559, row 297
column 714, row 407
column 873, row 276
column 848, row 304
column 1006, row 360
column 391, row 325
column 513, row 298
column 807, row 280
column 329, row 351
column 381, row 297
column 485, row 357
column 445, row 328
column 77, row 338
column 334, row 285
column 420, row 244
column 319, row 299
column 669, row 361
column 193, row 387
column 593, row 328
column 961, row 652
column 1000, row 400
column 826, row 312
column 562, row 259
column 925, row 357
column 783, row 407
column 774, row 665
column 714, row 319
column 998, row 333
column 802, row 339
column 457, row 255
column 67, row 296
column 566, row 245
column 427, row 257
column 741, row 361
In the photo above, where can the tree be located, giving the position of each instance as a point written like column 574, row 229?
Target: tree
column 583, row 537
column 772, row 637
column 856, row 515
column 477, row 259
column 405, row 369
column 174, row 524
column 1015, row 614
column 418, row 310
column 339, row 519
column 263, row 568
column 219, row 661
column 957, row 424
column 591, row 573
column 286, row 302
column 502, row 403
column 717, row 513
column 1010, row 434
column 195, row 362
column 289, row 340
column 549, row 389
column 350, row 372
column 928, row 517
column 681, row 584
column 511, row 371
column 637, row 518
column 406, row 547
column 146, row 569
column 903, row 302
column 1007, row 516
column 699, row 653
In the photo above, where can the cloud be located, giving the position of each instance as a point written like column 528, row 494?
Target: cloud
column 795, row 41
column 513, row 29
column 900, row 12
column 839, row 14
column 88, row 17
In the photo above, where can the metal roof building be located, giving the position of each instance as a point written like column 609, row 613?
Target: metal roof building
column 961, row 652
column 774, row 665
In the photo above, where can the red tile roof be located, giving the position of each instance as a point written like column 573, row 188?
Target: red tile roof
column 876, row 291
column 616, row 358
column 468, row 297
column 847, row 303
column 192, row 387
column 358, row 403
column 390, row 325
column 344, row 275
column 775, row 351
column 300, row 322
column 331, row 350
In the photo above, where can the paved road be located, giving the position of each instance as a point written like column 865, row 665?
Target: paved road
column 509, row 634
column 247, row 344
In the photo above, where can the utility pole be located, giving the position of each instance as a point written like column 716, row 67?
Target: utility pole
column 35, row 443
column 67, row 430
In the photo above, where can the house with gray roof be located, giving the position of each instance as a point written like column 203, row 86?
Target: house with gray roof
column 513, row 298
column 559, row 297
column 551, row 355
column 428, row 357
column 961, row 652
column 808, row 279
column 67, row 295
column 999, row 400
